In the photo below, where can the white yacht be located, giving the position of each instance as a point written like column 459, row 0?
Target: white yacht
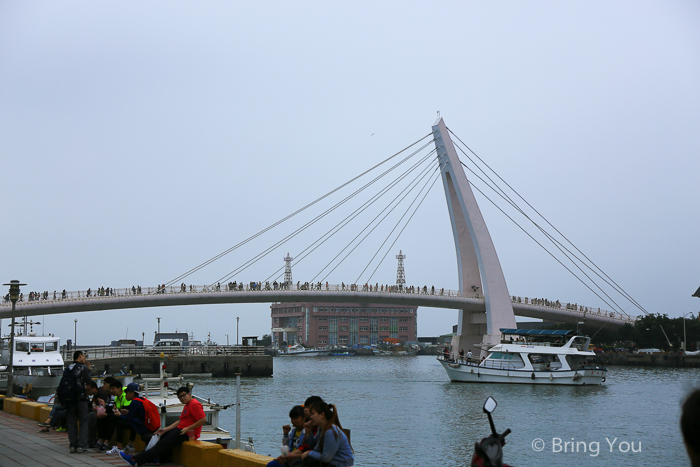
column 37, row 364
column 531, row 356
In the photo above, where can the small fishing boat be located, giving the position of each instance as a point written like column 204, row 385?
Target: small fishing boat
column 531, row 356
column 301, row 351
column 37, row 365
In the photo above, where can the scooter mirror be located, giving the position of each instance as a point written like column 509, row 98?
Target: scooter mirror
column 490, row 405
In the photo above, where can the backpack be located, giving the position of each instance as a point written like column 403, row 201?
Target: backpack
column 69, row 388
column 152, row 418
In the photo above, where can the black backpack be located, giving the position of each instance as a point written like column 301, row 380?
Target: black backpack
column 69, row 388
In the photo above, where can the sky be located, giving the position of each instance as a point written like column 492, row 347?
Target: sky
column 140, row 140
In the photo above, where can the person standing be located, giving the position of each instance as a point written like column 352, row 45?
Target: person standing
column 189, row 426
column 77, row 405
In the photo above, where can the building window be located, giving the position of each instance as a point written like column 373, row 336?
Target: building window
column 383, row 320
column 364, row 328
column 343, row 318
column 323, row 328
column 343, row 328
column 363, row 339
column 322, row 320
column 403, row 329
column 363, row 319
column 322, row 341
column 383, row 328
column 342, row 339
column 403, row 320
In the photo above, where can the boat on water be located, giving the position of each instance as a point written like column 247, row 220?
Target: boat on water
column 301, row 351
column 162, row 392
column 37, row 365
column 531, row 356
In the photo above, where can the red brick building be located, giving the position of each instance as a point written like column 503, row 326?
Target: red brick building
column 322, row 324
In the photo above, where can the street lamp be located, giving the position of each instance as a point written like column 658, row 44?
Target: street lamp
column 237, row 319
column 14, row 296
column 226, row 339
column 75, row 334
column 158, row 325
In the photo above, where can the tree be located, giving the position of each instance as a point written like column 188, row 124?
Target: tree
column 266, row 340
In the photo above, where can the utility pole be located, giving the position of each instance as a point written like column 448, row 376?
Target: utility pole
column 237, row 319
column 14, row 296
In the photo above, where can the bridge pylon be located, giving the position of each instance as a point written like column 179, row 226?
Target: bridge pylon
column 477, row 262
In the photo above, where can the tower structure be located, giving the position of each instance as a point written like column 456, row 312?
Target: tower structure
column 477, row 263
column 288, row 269
column 400, row 273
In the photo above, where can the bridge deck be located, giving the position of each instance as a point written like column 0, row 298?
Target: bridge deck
column 83, row 301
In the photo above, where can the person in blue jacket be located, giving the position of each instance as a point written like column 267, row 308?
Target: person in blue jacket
column 332, row 446
column 132, row 417
column 294, row 436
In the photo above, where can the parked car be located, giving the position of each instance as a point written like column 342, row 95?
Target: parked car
column 167, row 347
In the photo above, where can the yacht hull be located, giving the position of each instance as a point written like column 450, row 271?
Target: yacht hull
column 471, row 373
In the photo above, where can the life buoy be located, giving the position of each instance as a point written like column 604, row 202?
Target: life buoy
column 170, row 357
column 532, row 375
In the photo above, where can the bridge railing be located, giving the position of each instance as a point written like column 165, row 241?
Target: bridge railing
column 267, row 287
column 573, row 308
column 149, row 351
column 101, row 292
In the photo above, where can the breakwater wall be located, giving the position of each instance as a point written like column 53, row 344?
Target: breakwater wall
column 655, row 360
column 220, row 366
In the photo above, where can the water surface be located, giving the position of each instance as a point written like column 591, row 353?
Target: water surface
column 404, row 411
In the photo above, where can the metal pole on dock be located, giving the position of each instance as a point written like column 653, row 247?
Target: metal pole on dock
column 238, row 407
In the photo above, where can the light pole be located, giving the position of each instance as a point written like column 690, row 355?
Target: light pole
column 75, row 334
column 14, row 296
column 226, row 339
column 237, row 319
column 158, row 325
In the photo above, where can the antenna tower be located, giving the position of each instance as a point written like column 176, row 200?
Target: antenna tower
column 400, row 273
column 288, row 269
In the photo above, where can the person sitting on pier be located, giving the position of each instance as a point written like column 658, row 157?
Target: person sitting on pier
column 332, row 446
column 293, row 437
column 189, row 426
column 105, row 421
column 121, row 406
column 132, row 418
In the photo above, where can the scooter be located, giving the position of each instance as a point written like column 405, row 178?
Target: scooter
column 488, row 452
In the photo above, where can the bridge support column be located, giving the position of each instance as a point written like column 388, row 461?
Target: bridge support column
column 477, row 263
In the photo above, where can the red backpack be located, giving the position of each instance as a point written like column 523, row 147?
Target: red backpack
column 152, row 417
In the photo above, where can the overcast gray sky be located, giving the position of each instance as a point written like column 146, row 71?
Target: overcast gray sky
column 140, row 139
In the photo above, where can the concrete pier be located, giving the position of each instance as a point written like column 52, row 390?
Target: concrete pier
column 220, row 366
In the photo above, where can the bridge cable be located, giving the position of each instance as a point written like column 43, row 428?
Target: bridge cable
column 409, row 188
column 268, row 250
column 405, row 225
column 614, row 285
column 220, row 255
column 544, row 248
column 553, row 240
column 335, row 229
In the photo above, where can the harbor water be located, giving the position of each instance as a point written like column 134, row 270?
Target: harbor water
column 404, row 411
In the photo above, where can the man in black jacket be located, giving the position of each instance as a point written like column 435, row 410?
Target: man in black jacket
column 77, row 407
